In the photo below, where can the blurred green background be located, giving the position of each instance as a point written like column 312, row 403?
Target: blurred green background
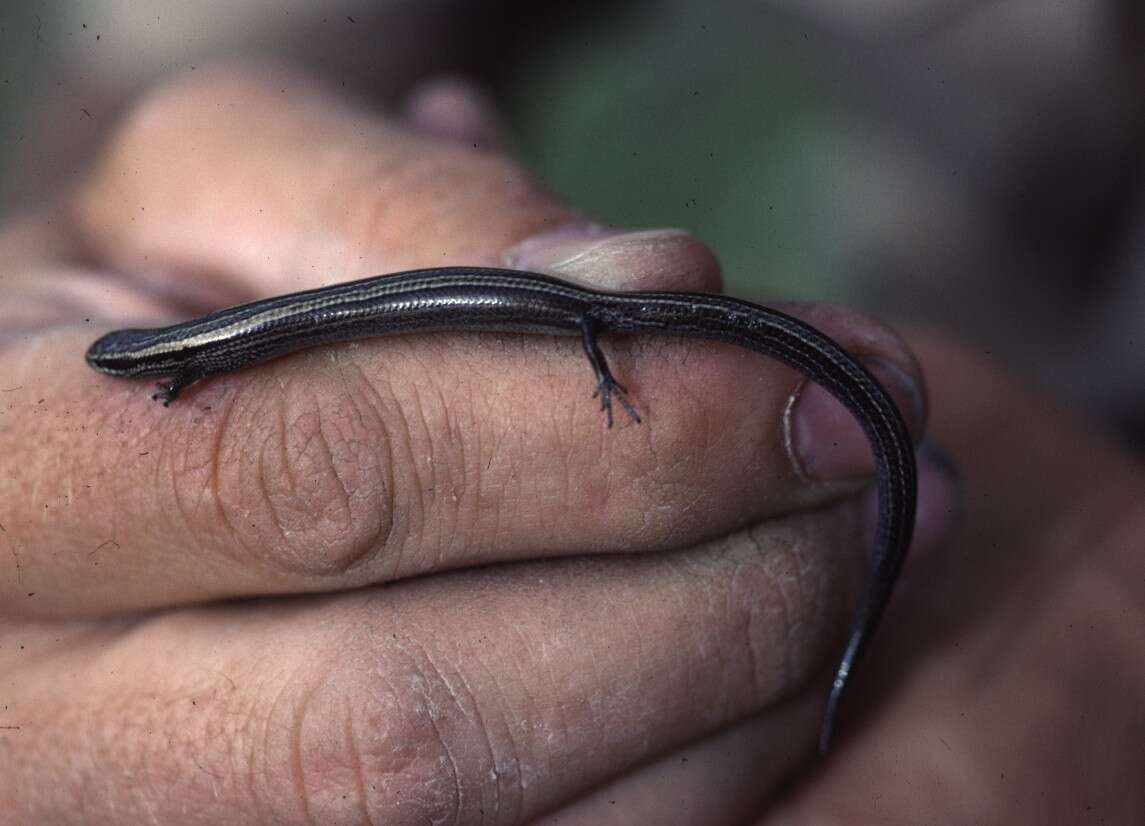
column 687, row 119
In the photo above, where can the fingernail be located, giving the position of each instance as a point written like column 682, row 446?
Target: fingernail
column 593, row 254
column 939, row 500
column 938, row 511
column 824, row 440
column 453, row 107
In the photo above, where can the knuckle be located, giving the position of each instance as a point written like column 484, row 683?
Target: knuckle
column 319, row 469
column 135, row 165
column 401, row 745
column 457, row 204
column 300, row 477
column 164, row 111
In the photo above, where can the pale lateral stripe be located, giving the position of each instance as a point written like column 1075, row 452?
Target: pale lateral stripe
column 324, row 301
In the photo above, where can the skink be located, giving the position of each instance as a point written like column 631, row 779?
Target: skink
column 471, row 298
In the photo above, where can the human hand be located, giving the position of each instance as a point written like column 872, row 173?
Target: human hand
column 334, row 686
column 1006, row 684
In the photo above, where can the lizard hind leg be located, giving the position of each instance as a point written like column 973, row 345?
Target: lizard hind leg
column 607, row 387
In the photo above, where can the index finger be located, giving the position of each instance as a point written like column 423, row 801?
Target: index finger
column 356, row 464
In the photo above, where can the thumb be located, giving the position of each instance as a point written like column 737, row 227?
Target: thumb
column 263, row 181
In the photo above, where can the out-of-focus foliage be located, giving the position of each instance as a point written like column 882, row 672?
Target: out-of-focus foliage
column 691, row 117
